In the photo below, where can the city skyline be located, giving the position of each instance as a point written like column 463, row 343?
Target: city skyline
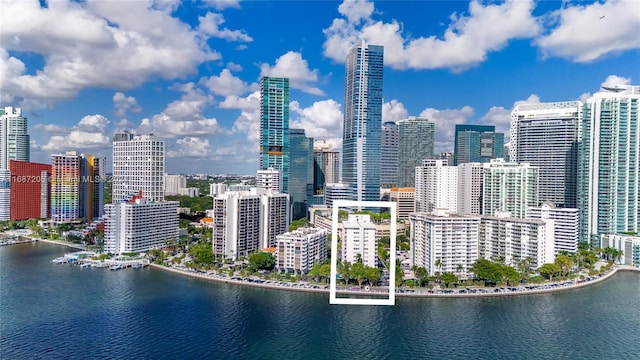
column 195, row 80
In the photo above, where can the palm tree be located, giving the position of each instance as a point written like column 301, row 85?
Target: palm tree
column 459, row 268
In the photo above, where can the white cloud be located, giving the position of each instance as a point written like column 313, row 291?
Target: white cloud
column 233, row 66
column 123, row 104
column 51, row 128
column 446, row 121
column 323, row 119
column 250, row 103
column 191, row 147
column 613, row 80
column 357, row 10
column 210, row 25
column 393, row 111
column 291, row 65
column 225, row 84
column 466, row 42
column 88, row 134
column 94, row 44
column 223, row 4
column 586, row 33
column 183, row 118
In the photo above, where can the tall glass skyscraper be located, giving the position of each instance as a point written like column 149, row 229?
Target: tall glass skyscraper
column 389, row 159
column 546, row 136
column 362, row 122
column 274, row 126
column 14, row 139
column 477, row 143
column 415, row 143
column 300, row 172
column 609, row 164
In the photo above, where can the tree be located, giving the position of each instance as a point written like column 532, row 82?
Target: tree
column 262, row 260
column 399, row 273
column 296, row 224
column 459, row 268
column 373, row 275
column 359, row 272
column 421, row 274
column 510, row 275
column 565, row 263
column 449, row 279
column 344, row 269
column 325, row 271
column 315, row 272
column 490, row 271
column 549, row 270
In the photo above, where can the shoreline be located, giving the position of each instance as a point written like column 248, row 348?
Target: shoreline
column 573, row 286
column 63, row 243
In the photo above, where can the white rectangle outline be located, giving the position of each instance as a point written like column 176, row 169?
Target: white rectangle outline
column 337, row 204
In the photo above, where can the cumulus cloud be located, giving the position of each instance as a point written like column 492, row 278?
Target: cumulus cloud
column 183, row 117
column 225, row 84
column 87, row 134
column 446, row 120
column 393, row 111
column 321, row 120
column 291, row 65
column 191, row 147
column 233, row 66
column 223, row 4
column 95, row 44
column 210, row 25
column 466, row 42
column 248, row 122
column 124, row 104
column 51, row 128
column 585, row 33
column 614, row 80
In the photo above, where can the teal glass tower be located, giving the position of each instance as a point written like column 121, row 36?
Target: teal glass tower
column 477, row 143
column 609, row 164
column 274, row 126
column 300, row 172
column 361, row 137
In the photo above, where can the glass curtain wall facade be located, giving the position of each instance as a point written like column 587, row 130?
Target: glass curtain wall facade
column 415, row 143
column 546, row 136
column 363, row 122
column 389, row 160
column 477, row 143
column 609, row 164
column 274, row 126
column 301, row 172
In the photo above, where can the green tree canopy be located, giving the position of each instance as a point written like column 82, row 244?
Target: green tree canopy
column 549, row 270
column 262, row 260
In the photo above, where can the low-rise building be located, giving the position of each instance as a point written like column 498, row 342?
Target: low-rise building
column 359, row 239
column 629, row 244
column 405, row 199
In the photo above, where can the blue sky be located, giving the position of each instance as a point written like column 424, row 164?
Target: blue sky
column 189, row 71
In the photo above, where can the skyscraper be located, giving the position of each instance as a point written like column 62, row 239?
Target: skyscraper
column 362, row 122
column 546, row 135
column 14, row 139
column 138, row 165
column 509, row 187
column 274, row 126
column 415, row 143
column 76, row 187
column 477, row 143
column 326, row 166
column 609, row 164
column 389, row 157
column 14, row 145
column 436, row 186
column 300, row 172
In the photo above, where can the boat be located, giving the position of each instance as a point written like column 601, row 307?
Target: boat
column 116, row 267
column 85, row 265
column 60, row 260
column 137, row 266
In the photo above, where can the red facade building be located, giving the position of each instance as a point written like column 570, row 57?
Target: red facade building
column 30, row 190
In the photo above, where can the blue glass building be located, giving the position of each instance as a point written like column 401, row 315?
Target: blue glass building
column 300, row 173
column 362, row 122
column 477, row 143
column 274, row 126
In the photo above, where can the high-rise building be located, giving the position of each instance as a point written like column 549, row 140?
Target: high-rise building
column 509, row 187
column 173, row 183
column 389, row 156
column 138, row 165
column 609, row 164
column 14, row 139
column 14, row 145
column 217, row 188
column 246, row 221
column 92, row 185
column 444, row 242
column 326, row 166
column 359, row 240
column 298, row 250
column 565, row 225
column 546, row 136
column 269, row 179
column 334, row 192
column 446, row 156
column 361, row 136
column 405, row 199
column 139, row 225
column 30, row 190
column 415, row 143
column 470, row 176
column 72, row 187
column 436, row 186
column 477, row 143
column 515, row 239
column 300, row 172
column 274, row 126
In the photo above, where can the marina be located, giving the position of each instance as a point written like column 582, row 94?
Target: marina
column 87, row 259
